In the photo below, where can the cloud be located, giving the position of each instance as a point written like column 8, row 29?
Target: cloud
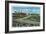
column 26, row 9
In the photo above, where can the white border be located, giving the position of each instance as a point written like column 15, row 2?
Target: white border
column 25, row 28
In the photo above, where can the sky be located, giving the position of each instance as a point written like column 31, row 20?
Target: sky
column 26, row 9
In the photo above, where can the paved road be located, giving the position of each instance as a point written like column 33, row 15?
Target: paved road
column 21, row 20
column 26, row 21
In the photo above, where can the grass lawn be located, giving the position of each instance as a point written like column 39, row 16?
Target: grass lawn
column 34, row 18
